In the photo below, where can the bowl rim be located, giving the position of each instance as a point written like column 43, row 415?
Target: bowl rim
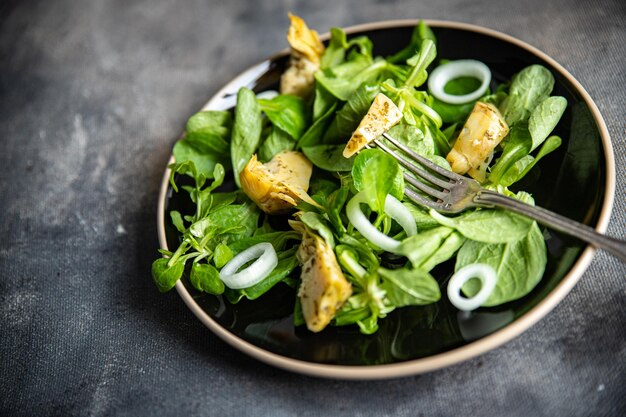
column 456, row 355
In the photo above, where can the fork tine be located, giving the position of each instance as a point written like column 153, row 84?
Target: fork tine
column 425, row 188
column 424, row 161
column 418, row 199
column 416, row 170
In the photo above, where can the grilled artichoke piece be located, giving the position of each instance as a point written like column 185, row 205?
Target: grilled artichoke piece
column 483, row 131
column 278, row 185
column 306, row 51
column 382, row 115
column 324, row 288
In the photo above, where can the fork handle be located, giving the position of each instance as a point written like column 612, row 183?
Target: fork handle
column 555, row 221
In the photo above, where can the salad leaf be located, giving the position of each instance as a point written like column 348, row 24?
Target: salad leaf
column 166, row 276
column 405, row 287
column 283, row 269
column 420, row 33
column 429, row 248
column 206, row 278
column 277, row 141
column 315, row 132
column 351, row 114
column 519, row 265
column 328, row 157
column 544, row 119
column 217, row 122
column 487, row 225
column 377, row 174
column 316, row 222
column 288, row 113
column 525, row 164
column 246, row 133
column 335, row 52
column 529, row 87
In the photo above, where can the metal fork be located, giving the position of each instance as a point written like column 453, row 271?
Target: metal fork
column 454, row 193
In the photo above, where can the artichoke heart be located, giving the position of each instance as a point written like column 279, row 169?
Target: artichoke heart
column 279, row 184
column 306, row 51
column 483, row 131
column 324, row 288
column 382, row 115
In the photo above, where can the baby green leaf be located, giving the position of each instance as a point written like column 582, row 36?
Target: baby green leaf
column 406, row 287
column 529, row 87
column 165, row 277
column 277, row 141
column 246, row 130
column 177, row 221
column 377, row 174
column 328, row 157
column 544, row 119
column 487, row 225
column 206, row 278
column 288, row 113
column 222, row 255
column 519, row 265
column 420, row 33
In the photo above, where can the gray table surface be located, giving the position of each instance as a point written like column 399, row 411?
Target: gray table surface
column 92, row 96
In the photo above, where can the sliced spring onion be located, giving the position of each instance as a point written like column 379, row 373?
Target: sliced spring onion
column 266, row 261
column 445, row 73
column 487, row 276
column 394, row 208
column 267, row 94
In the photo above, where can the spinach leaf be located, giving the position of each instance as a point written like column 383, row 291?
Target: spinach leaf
column 420, row 32
column 322, row 102
column 487, row 225
column 288, row 113
column 405, row 287
column 429, row 248
column 529, row 87
column 246, row 133
column 217, row 122
column 283, row 269
column 517, row 146
column 277, row 141
column 525, row 164
column 544, row 119
column 377, row 174
column 328, row 157
column 351, row 114
column 206, row 278
column 343, row 80
column 204, row 149
column 315, row 132
column 519, row 265
column 413, row 138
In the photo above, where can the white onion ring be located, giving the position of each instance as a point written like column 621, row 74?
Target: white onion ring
column 394, row 208
column 487, row 276
column 267, row 94
column 455, row 69
column 266, row 261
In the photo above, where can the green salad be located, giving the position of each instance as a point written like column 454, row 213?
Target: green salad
column 316, row 207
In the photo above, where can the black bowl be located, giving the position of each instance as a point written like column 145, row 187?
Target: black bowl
column 577, row 181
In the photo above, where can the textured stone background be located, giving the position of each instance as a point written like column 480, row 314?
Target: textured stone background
column 92, row 96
